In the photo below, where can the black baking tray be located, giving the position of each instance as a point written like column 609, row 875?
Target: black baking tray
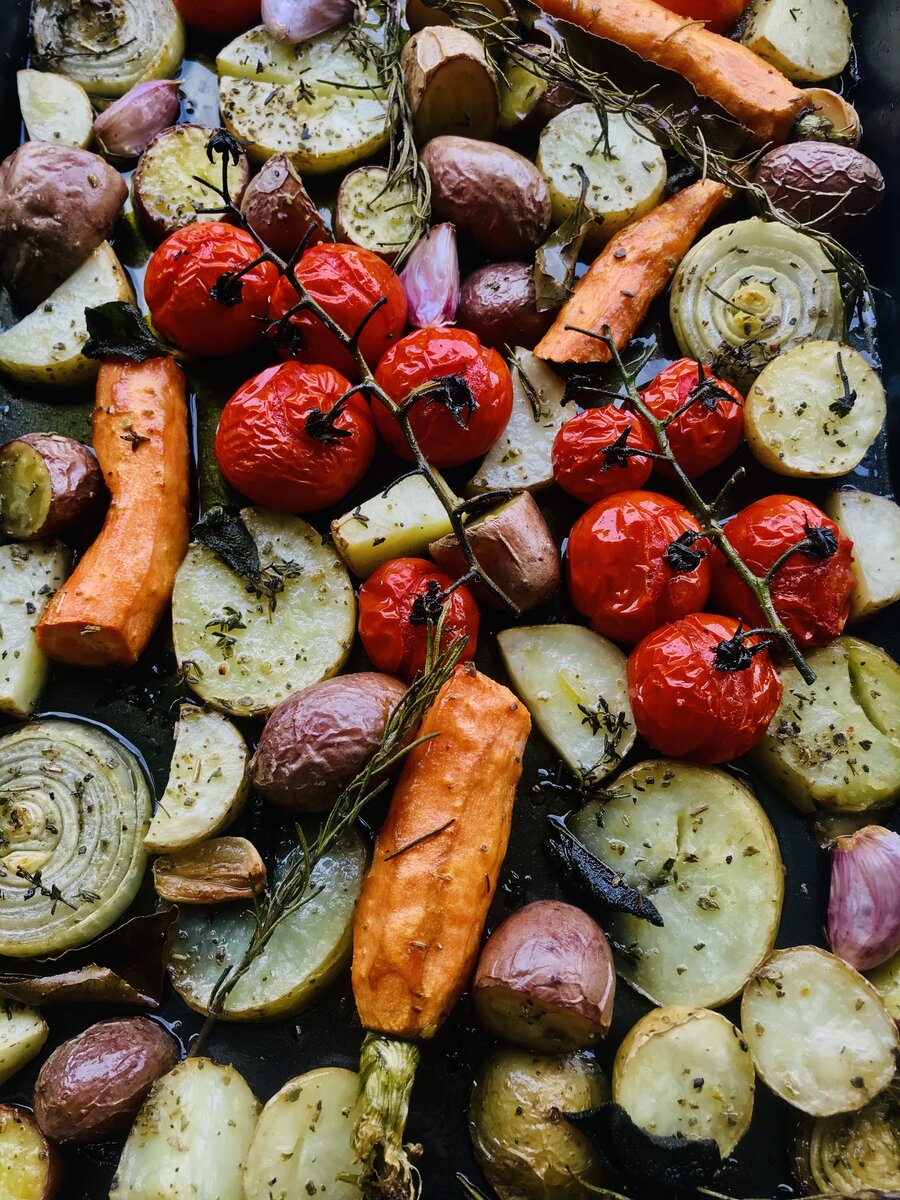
column 139, row 703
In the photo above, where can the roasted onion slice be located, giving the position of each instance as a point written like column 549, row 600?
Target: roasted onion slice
column 747, row 292
column 108, row 47
column 855, row 1154
column 74, row 808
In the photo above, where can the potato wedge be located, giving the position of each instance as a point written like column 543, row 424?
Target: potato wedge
column 450, row 85
column 305, row 954
column 572, row 681
column 820, row 1035
column 686, row 1072
column 23, row 1032
column 700, row 844
column 208, row 782
column 873, row 525
column 245, row 649
column 190, row 1137
column 520, row 459
column 835, row 744
column 372, row 215
column 30, row 573
column 54, row 108
column 303, row 1143
column 808, row 43
column 397, row 523
column 886, row 981
column 30, row 1166
column 45, row 347
column 48, row 484
column 814, row 411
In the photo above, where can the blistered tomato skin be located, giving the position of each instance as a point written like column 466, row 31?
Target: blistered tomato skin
column 619, row 576
column 719, row 15
column 265, row 449
column 707, row 433
column 393, row 642
column 447, row 438
column 685, row 706
column 346, row 281
column 811, row 594
column 219, row 16
column 582, row 469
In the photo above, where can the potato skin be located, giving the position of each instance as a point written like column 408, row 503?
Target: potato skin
column 57, row 204
column 497, row 303
column 45, row 1151
column 493, row 195
column 76, row 481
column 807, row 180
column 315, row 741
column 546, row 979
column 92, row 1086
column 279, row 210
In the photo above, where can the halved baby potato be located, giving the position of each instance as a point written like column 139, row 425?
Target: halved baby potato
column 873, row 525
column 30, row 1165
column 374, row 215
column 328, row 62
column 886, row 981
column 48, row 484
column 450, row 85
column 54, row 108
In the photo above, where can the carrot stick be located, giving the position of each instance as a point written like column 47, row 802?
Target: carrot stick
column 628, row 275
column 106, row 612
column 725, row 71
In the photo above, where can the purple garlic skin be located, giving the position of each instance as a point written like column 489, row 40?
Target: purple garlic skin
column 864, row 901
column 127, row 127
column 430, row 278
column 294, row 21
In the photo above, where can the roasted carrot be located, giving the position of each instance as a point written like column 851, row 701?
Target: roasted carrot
column 738, row 80
column 110, row 605
column 628, row 275
column 424, row 902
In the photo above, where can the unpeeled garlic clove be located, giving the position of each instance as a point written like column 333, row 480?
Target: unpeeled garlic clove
column 226, row 868
column 431, row 278
column 126, row 128
column 294, row 21
column 864, row 901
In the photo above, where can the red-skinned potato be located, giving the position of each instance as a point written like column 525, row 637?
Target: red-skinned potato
column 546, row 979
column 48, row 484
column 318, row 739
column 30, row 1166
column 514, row 546
column 497, row 303
column 278, row 209
column 822, row 183
column 91, row 1087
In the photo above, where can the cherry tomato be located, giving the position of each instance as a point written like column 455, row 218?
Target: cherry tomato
column 582, row 469
column 719, row 15
column 459, row 421
column 346, row 281
column 276, row 445
column 631, row 567
column 219, row 16
column 393, row 627
column 185, row 273
column 701, row 690
column 811, row 589
column 710, row 430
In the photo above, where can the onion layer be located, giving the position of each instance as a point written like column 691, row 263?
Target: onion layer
column 747, row 292
column 108, row 47
column 854, row 1154
column 74, row 808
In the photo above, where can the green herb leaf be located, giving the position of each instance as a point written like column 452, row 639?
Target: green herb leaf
column 554, row 263
column 117, row 330
column 594, row 878
column 222, row 531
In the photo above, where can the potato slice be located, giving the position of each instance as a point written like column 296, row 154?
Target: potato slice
column 190, row 1138
column 372, row 215
column 208, row 782
column 23, row 1032
column 807, row 42
column 622, row 185
column 835, row 744
column 814, row 411
column 45, row 347
column 886, row 981
column 397, row 523
column 450, row 85
column 873, row 525
column 55, row 108
column 29, row 575
column 820, row 1035
column 30, row 1166
column 243, row 650
column 303, row 1144
column 305, row 954
column 572, row 681
column 686, row 1072
column 327, row 63
column 697, row 841
column 520, row 459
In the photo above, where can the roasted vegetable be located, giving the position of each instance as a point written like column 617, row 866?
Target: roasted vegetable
column 375, row 213
column 129, row 125
column 832, row 187
column 450, row 85
column 806, row 44
column 54, row 109
column 29, row 575
column 48, row 484
column 85, row 790
column 497, row 303
column 221, row 869
column 886, row 981
column 105, row 616
column 316, row 741
column 853, row 1154
column 91, row 1086
column 528, row 100
column 873, row 525
column 836, row 118
column 23, row 1032
column 30, row 1166
column 524, row 1149
column 545, row 979
column 820, row 1035
column 278, row 209
column 864, row 897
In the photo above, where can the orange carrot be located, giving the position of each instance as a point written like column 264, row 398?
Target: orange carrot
column 107, row 610
column 725, row 71
column 630, row 272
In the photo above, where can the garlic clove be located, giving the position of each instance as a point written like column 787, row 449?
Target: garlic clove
column 126, row 128
column 431, row 278
column 864, row 901
column 226, row 868
column 294, row 21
